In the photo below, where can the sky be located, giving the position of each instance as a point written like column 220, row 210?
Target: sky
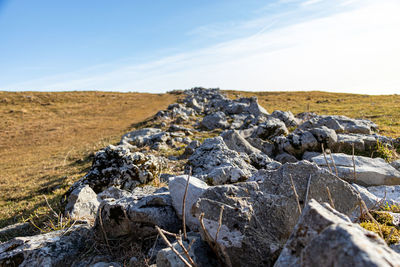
column 157, row 46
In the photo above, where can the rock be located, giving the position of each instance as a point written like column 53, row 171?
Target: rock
column 285, row 157
column 370, row 199
column 396, row 164
column 52, row 249
column 215, row 163
column 139, row 137
column 189, row 150
column 214, row 121
column 235, row 141
column 12, row 230
column 266, row 147
column 200, row 253
column 297, row 143
column 245, row 106
column 287, row 117
column 113, row 193
column 271, row 128
column 258, row 217
column 117, row 166
column 340, row 124
column 391, row 194
column 324, row 237
column 82, row 204
column 308, row 155
column 369, row 171
column 325, row 136
column 177, row 186
column 135, row 216
column 106, row 264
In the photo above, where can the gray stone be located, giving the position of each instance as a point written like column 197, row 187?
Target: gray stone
column 140, row 137
column 370, row 199
column 113, row 193
column 297, row 143
column 214, row 121
column 308, row 155
column 391, row 194
column 196, row 187
column 324, row 237
column 325, row 136
column 285, row 157
column 106, row 264
column 59, row 248
column 271, row 128
column 200, row 253
column 258, row 217
column 215, row 163
column 369, row 171
column 12, row 230
column 82, row 204
column 189, row 150
column 396, row 164
column 340, row 124
column 287, row 117
column 245, row 106
column 117, row 166
column 137, row 215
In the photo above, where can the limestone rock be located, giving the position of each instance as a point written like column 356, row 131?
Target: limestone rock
column 196, row 187
column 271, row 128
column 214, row 121
column 369, row 171
column 287, row 117
column 214, row 162
column 82, row 204
column 136, row 215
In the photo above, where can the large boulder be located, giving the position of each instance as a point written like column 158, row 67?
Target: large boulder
column 196, row 187
column 118, row 166
column 340, row 124
column 140, row 137
column 215, row 163
column 287, row 117
column 369, row 171
column 248, row 105
column 297, row 143
column 58, row 248
column 271, row 128
column 325, row 237
column 137, row 215
column 258, row 217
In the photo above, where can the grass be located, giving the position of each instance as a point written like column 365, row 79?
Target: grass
column 47, row 140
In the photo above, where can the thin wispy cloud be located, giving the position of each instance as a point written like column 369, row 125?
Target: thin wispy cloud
column 353, row 49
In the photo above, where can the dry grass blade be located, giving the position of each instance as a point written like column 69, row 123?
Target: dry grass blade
column 326, row 160
column 389, row 236
column 371, row 217
column 330, row 197
column 354, row 163
column 160, row 232
column 184, row 206
column 308, row 190
column 295, row 193
column 219, row 222
column 334, row 164
column 103, row 231
column 47, row 202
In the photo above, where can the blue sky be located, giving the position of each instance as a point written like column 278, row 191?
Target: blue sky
column 156, row 46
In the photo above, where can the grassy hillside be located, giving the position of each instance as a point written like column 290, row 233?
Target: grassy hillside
column 47, row 139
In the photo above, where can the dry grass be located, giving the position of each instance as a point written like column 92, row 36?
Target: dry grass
column 47, row 139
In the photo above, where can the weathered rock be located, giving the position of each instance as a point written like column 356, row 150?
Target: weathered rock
column 136, row 216
column 214, row 121
column 271, row 128
column 140, row 137
column 215, row 163
column 196, row 187
column 324, row 237
column 259, row 217
column 369, row 171
column 13, row 230
column 52, row 249
column 325, row 136
column 297, row 143
column 82, row 204
column 340, row 124
column 391, row 194
column 370, row 199
column 113, row 193
column 396, row 164
column 266, row 147
column 189, row 150
column 245, row 106
column 285, row 158
column 199, row 251
column 117, row 166
column 308, row 155
column 313, row 220
column 287, row 117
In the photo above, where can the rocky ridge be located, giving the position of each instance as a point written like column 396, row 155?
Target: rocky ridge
column 261, row 189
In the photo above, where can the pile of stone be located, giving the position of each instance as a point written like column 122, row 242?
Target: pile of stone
column 255, row 193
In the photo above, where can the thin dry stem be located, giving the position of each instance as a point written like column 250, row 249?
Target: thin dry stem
column 104, row 232
column 160, row 232
column 371, row 217
column 184, row 206
column 390, row 235
column 334, row 164
column 354, row 163
column 326, row 160
column 186, row 251
column 308, row 189
column 330, row 197
column 219, row 222
column 295, row 193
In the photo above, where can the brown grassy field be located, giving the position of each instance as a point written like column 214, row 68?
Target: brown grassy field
column 46, row 139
